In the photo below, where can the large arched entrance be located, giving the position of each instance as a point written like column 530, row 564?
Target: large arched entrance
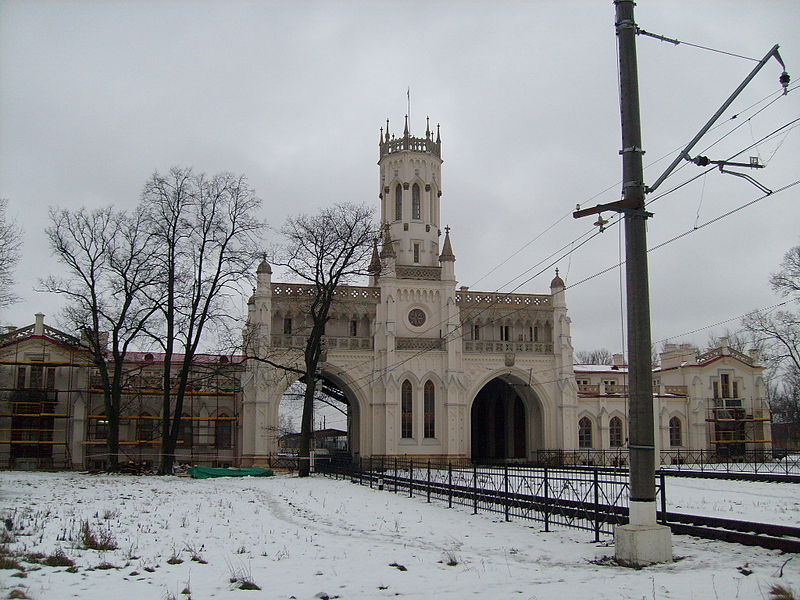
column 505, row 419
column 336, row 395
column 335, row 418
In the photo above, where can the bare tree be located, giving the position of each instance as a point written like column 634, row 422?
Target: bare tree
column 785, row 402
column 780, row 331
column 205, row 239
column 741, row 341
column 600, row 356
column 326, row 250
column 108, row 276
column 10, row 244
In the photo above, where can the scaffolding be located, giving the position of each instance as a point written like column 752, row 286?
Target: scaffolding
column 36, row 425
column 52, row 412
column 736, row 430
column 209, row 429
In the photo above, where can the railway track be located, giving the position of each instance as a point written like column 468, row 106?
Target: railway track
column 765, row 535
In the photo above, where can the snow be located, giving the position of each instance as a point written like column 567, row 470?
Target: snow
column 307, row 538
column 755, row 501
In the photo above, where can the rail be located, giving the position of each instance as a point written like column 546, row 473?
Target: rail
column 592, row 499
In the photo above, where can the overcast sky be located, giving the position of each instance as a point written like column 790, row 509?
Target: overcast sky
column 96, row 96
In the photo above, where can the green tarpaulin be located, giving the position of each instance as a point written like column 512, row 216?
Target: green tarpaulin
column 208, row 472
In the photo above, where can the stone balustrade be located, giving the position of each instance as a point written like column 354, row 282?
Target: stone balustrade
column 494, row 346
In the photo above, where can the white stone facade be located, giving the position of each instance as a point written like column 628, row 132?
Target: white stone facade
column 427, row 368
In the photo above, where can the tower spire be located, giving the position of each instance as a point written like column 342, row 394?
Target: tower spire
column 374, row 268
column 405, row 132
column 387, row 250
column 447, row 249
column 428, row 127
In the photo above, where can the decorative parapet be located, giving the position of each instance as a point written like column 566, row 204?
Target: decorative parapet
column 347, row 343
column 678, row 390
column 717, row 352
column 497, row 347
column 589, row 388
column 429, row 273
column 418, row 343
column 61, row 336
column 50, row 332
column 298, row 342
column 343, row 292
column 411, row 144
column 616, row 388
column 742, row 357
column 496, row 299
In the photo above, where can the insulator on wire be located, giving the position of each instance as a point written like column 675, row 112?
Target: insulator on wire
column 785, row 79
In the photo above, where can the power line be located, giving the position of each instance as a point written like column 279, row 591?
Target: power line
column 718, row 323
column 676, row 42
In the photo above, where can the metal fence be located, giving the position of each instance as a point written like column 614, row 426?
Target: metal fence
column 751, row 461
column 593, row 499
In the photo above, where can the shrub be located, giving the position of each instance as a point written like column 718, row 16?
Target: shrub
column 102, row 540
column 7, row 562
column 241, row 578
column 58, row 559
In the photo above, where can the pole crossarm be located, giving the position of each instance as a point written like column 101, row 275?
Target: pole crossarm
column 684, row 154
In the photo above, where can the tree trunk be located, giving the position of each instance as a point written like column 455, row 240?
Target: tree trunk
column 306, row 429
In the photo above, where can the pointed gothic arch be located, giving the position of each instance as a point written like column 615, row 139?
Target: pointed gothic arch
column 416, row 202
column 506, row 419
column 398, row 202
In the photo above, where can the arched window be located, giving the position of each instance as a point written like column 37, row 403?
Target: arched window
column 406, row 410
column 675, row 433
column 415, row 205
column 585, row 433
column 398, row 203
column 429, row 408
column 185, row 432
column 615, row 432
column 223, row 432
column 144, row 427
column 98, row 427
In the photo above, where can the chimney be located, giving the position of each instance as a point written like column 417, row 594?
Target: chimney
column 618, row 360
column 38, row 327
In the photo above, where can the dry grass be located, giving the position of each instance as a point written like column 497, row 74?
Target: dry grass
column 781, row 592
column 103, row 539
column 58, row 559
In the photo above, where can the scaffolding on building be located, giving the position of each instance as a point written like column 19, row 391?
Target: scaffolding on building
column 42, row 428
column 36, row 418
column 736, row 430
column 209, row 429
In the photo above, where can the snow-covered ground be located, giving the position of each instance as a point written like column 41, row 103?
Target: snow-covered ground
column 307, row 538
column 743, row 500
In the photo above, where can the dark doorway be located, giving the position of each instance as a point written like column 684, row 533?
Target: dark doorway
column 498, row 423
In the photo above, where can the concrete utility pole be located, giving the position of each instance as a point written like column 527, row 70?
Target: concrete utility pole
column 642, row 541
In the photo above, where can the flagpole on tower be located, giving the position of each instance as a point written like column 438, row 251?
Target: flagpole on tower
column 408, row 106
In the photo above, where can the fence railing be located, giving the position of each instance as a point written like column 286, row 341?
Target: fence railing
column 593, row 499
column 743, row 461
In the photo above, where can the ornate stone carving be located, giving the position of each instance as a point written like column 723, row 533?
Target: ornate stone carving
column 428, row 273
column 416, row 343
column 490, row 298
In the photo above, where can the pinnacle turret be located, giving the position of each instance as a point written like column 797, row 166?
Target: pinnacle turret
column 447, row 249
column 387, row 248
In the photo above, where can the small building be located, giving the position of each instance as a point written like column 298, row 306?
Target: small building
column 712, row 401
column 52, row 412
